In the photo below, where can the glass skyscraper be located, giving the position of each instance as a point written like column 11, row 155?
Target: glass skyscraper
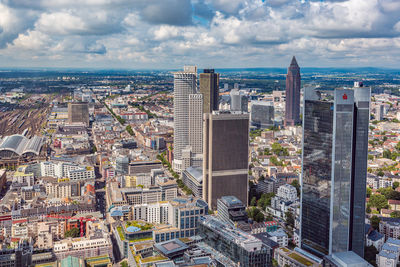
column 334, row 169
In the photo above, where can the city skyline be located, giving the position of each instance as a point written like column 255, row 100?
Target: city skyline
column 168, row 34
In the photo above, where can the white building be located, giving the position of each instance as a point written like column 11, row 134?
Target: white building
column 390, row 227
column 69, row 170
column 196, row 123
column 98, row 243
column 280, row 237
column 24, row 178
column 184, row 85
column 153, row 213
column 287, row 192
column 388, row 256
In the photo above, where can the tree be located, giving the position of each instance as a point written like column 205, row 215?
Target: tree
column 259, row 217
column 395, row 214
column 378, row 201
column 253, row 201
column 375, row 222
column 124, row 264
column 74, row 232
column 369, row 191
column 395, row 185
column 387, row 154
column 265, row 200
column 380, row 173
column 289, row 218
column 296, row 184
column 368, row 209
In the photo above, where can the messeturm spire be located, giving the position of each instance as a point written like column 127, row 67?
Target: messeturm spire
column 294, row 62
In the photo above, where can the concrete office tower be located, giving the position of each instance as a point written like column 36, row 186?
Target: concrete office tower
column 334, row 170
column 239, row 102
column 379, row 112
column 262, row 114
column 225, row 156
column 184, row 85
column 292, row 111
column 236, row 102
column 209, row 87
column 196, row 122
column 78, row 112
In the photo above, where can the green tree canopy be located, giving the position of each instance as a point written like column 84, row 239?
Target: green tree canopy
column 375, row 222
column 74, row 232
column 378, row 201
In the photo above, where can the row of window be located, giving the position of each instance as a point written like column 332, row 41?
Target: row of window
column 168, row 236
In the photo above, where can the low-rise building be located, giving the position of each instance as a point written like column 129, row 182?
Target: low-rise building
column 287, row 257
column 235, row 244
column 231, row 210
column 390, row 227
column 280, row 237
column 374, row 238
column 287, row 192
column 193, row 179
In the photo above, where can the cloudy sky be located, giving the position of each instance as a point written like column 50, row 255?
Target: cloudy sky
column 139, row 34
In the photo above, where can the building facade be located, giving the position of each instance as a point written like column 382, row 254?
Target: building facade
column 78, row 113
column 334, row 169
column 184, row 85
column 237, row 245
column 209, row 88
column 225, row 156
column 231, row 210
column 196, row 123
column 262, row 114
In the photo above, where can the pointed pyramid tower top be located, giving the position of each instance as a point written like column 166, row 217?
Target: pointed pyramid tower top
column 294, row 62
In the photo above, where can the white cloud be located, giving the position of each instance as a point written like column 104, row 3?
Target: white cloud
column 225, row 33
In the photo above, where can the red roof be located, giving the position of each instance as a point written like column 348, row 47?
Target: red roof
column 394, row 202
column 20, row 221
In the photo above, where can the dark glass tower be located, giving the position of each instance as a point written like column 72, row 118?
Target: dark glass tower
column 292, row 107
column 334, row 169
column 209, row 87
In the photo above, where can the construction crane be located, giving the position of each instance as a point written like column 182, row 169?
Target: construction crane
column 81, row 220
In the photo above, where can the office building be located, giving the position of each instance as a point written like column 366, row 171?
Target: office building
column 334, row 170
column 193, row 179
column 225, row 156
column 239, row 102
column 122, row 164
column 78, row 112
column 237, row 245
column 231, row 210
column 184, row 85
column 262, row 114
column 292, row 105
column 236, row 102
column 196, row 123
column 379, row 112
column 209, row 88
column 286, row 257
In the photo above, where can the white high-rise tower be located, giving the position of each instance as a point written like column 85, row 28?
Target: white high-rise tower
column 184, row 85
